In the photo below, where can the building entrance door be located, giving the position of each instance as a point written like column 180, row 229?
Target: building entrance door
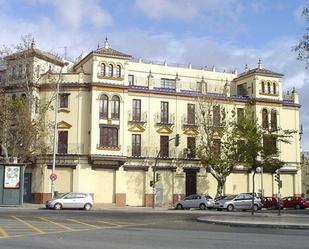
column 190, row 182
column 27, row 188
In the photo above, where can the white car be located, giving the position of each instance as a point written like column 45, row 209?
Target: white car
column 71, row 200
column 196, row 201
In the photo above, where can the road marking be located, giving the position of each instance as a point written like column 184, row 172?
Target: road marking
column 3, row 233
column 83, row 223
column 109, row 223
column 57, row 224
column 29, row 225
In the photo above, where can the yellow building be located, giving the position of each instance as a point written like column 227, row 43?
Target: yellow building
column 115, row 114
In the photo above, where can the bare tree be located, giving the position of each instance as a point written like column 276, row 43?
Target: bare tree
column 24, row 128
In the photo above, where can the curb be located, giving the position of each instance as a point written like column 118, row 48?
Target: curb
column 246, row 224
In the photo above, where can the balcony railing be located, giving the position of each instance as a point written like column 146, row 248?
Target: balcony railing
column 170, row 120
column 137, row 119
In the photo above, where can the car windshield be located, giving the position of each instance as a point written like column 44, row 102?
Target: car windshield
column 230, row 197
column 61, row 196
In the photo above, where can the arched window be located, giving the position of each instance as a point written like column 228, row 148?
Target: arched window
column 110, row 70
column 273, row 120
column 102, row 69
column 265, row 119
column 268, row 87
column 263, row 87
column 274, row 88
column 118, row 71
column 103, row 106
column 115, row 107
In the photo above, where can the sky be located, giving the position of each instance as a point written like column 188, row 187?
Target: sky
column 225, row 33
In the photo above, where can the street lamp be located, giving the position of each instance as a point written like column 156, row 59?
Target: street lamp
column 256, row 170
column 55, row 142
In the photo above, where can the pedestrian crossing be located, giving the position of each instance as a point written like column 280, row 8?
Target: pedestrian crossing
column 18, row 226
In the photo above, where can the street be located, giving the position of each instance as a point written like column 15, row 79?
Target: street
column 129, row 229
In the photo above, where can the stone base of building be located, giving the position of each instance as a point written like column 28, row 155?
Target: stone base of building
column 178, row 197
column 39, row 198
column 120, row 200
column 148, row 200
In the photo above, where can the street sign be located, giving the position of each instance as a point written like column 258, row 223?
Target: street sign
column 53, row 177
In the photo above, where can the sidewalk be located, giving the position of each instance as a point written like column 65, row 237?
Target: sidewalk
column 287, row 221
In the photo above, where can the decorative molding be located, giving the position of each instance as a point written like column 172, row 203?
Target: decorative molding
column 191, row 132
column 136, row 128
column 63, row 125
column 65, row 110
column 164, row 129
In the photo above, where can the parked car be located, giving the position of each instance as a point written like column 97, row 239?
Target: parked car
column 242, row 201
column 196, row 201
column 71, row 200
column 271, row 203
column 295, row 202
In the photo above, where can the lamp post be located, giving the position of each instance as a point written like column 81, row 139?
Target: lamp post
column 177, row 141
column 256, row 170
column 55, row 140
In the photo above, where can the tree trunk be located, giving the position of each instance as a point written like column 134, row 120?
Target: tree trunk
column 220, row 185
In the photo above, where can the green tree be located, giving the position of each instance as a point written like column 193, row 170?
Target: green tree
column 303, row 46
column 218, row 141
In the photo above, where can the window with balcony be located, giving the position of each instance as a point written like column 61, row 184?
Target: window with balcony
column 191, row 114
column 164, row 112
column 216, row 115
column 217, row 147
column 265, row 121
column 103, row 106
column 64, row 100
column 108, row 137
column 131, row 80
column 269, row 144
column 115, row 112
column 164, row 146
column 168, row 83
column 242, row 89
column 191, row 147
column 273, row 120
column 136, row 145
column 240, row 114
column 62, row 142
column 136, row 110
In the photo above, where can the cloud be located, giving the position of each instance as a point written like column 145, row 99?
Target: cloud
column 74, row 13
column 187, row 10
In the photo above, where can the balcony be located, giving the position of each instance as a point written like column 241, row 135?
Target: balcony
column 189, row 123
column 169, row 120
column 137, row 119
column 144, row 152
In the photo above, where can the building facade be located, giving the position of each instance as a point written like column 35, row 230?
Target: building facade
column 116, row 114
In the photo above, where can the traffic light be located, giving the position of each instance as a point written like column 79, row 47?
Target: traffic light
column 177, row 140
column 158, row 177
column 277, row 177
column 151, row 183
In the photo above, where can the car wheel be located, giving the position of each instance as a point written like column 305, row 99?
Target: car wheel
column 87, row 206
column 230, row 208
column 255, row 207
column 179, row 206
column 57, row 206
column 202, row 206
column 297, row 206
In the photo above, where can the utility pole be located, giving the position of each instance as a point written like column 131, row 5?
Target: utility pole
column 279, row 182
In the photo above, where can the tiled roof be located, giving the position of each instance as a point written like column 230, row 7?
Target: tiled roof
column 260, row 71
column 38, row 53
column 111, row 52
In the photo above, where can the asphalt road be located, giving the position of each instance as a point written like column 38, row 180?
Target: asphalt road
column 108, row 229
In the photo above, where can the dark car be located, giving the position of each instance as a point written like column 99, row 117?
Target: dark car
column 271, row 203
column 295, row 202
